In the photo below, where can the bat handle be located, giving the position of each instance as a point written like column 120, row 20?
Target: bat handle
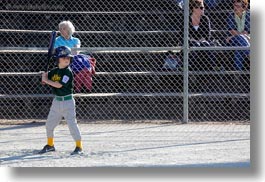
column 43, row 83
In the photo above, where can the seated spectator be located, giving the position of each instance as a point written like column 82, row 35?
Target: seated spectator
column 238, row 24
column 171, row 62
column 66, row 38
column 199, row 36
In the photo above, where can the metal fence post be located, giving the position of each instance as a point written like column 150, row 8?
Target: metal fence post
column 186, row 64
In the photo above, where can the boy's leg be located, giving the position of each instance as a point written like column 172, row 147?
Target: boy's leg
column 53, row 120
column 69, row 114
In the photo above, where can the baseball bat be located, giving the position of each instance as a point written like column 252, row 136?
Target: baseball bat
column 50, row 51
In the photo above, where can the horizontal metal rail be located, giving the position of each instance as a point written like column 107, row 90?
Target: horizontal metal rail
column 91, row 12
column 98, row 32
column 88, row 32
column 142, row 73
column 218, row 48
column 121, row 49
column 94, row 49
column 209, row 11
column 170, row 94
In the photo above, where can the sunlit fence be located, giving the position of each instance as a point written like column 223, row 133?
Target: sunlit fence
column 130, row 41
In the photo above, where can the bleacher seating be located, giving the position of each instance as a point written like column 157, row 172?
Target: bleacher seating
column 123, row 78
column 98, row 39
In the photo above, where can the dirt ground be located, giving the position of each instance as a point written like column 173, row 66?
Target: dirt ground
column 128, row 145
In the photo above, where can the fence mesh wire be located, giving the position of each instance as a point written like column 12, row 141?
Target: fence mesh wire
column 143, row 81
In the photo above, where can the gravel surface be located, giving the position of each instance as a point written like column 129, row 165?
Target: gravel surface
column 129, row 145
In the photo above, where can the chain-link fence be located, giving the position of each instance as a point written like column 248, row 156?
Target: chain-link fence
column 156, row 60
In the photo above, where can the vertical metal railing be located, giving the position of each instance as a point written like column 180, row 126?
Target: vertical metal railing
column 186, row 64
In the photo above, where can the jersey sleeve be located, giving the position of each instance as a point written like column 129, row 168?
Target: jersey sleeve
column 67, row 78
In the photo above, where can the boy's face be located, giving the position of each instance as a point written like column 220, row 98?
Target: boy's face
column 64, row 62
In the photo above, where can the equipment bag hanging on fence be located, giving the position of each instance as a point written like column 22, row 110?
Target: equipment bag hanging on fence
column 83, row 67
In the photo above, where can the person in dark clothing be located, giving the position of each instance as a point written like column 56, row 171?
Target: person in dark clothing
column 200, row 36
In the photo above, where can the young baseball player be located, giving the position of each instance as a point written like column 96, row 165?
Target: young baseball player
column 63, row 105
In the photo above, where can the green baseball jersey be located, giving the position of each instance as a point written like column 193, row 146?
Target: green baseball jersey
column 63, row 76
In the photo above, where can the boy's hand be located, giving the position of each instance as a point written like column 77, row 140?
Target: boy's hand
column 43, row 83
column 44, row 77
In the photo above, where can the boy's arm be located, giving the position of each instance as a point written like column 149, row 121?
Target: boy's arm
column 50, row 82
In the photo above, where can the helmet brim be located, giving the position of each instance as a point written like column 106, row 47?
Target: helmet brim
column 63, row 56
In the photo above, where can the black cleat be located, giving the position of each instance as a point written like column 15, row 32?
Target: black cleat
column 47, row 148
column 77, row 151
